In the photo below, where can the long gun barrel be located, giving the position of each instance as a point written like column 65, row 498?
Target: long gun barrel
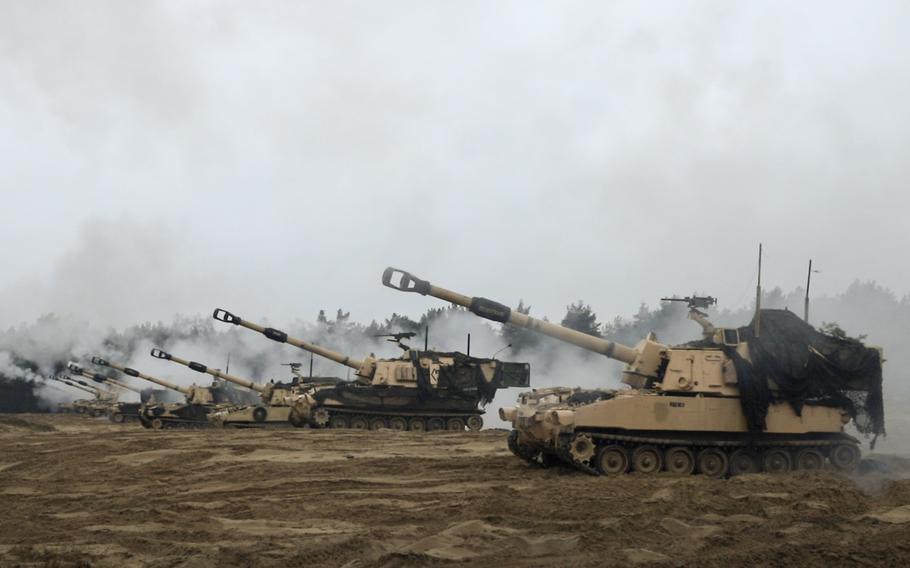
column 200, row 368
column 86, row 388
column 99, row 378
column 282, row 337
column 495, row 311
column 91, row 387
column 134, row 373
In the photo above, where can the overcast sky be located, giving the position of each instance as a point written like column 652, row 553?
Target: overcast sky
column 272, row 158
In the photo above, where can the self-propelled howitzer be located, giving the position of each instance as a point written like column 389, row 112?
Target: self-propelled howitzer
column 193, row 394
column 96, row 406
column 110, row 405
column 720, row 405
column 277, row 404
column 117, row 411
column 199, row 403
column 421, row 390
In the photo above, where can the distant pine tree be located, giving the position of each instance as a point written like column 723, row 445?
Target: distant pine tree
column 580, row 317
column 518, row 337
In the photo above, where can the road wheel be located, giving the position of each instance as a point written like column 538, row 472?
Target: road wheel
column 436, row 423
column 117, row 417
column 455, row 425
column 647, row 459
column 417, row 424
column 712, row 462
column 260, row 414
column 398, row 423
column 612, row 460
column 743, row 461
column 377, row 423
column 844, row 457
column 809, row 459
column 359, row 423
column 296, row 420
column 475, row 423
column 776, row 460
column 338, row 422
column 157, row 424
column 680, row 460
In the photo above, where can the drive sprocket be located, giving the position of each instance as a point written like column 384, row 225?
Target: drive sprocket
column 321, row 417
column 582, row 448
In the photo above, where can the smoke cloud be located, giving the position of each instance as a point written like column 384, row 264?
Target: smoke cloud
column 163, row 159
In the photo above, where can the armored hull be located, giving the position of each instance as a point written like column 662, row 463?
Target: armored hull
column 176, row 415
column 93, row 408
column 646, row 431
column 124, row 412
column 257, row 416
column 351, row 405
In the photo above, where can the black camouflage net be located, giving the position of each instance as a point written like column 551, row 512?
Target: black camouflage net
column 808, row 367
column 465, row 379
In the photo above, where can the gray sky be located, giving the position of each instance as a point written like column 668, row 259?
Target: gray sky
column 167, row 157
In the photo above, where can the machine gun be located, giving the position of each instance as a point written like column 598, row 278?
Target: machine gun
column 694, row 302
column 398, row 337
column 295, row 370
column 700, row 317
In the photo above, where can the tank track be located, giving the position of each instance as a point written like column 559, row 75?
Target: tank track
column 172, row 423
column 600, row 453
column 124, row 418
column 268, row 424
column 414, row 421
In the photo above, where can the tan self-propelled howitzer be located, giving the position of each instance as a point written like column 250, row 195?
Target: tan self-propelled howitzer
column 735, row 402
column 114, row 409
column 67, row 407
column 193, row 413
column 101, row 399
column 421, row 390
column 276, row 408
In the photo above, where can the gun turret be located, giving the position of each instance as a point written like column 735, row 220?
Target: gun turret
column 264, row 390
column 134, row 373
column 643, row 360
column 364, row 368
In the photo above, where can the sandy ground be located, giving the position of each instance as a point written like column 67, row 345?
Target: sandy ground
column 84, row 492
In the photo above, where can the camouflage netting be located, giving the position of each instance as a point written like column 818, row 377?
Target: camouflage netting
column 809, row 367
